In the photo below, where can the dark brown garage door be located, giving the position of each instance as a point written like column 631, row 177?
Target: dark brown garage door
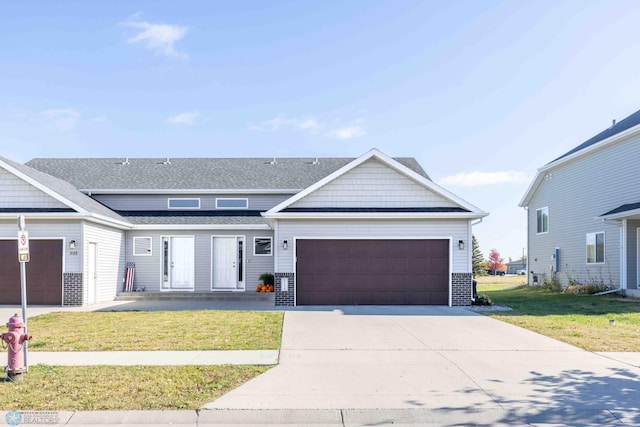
column 44, row 272
column 372, row 272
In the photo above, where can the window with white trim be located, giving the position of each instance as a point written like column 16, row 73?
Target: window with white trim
column 262, row 246
column 542, row 220
column 228, row 203
column 184, row 203
column 595, row 248
column 142, row 246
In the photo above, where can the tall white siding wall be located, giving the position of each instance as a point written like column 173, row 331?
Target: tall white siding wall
column 16, row 193
column 373, row 185
column 110, row 259
column 39, row 229
column 395, row 229
column 577, row 193
column 149, row 268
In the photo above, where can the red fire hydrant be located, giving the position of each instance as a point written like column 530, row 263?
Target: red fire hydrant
column 15, row 339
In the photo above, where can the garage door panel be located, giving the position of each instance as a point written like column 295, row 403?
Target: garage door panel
column 43, row 271
column 372, row 272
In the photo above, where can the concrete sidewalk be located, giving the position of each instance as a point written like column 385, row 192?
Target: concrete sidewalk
column 154, row 358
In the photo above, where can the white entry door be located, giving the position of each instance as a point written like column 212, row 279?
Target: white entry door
column 227, row 263
column 92, row 273
column 179, row 254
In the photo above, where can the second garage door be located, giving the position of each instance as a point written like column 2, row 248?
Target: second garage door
column 44, row 272
column 372, row 272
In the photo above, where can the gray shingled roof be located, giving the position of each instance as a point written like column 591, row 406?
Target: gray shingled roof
column 196, row 173
column 627, row 123
column 64, row 189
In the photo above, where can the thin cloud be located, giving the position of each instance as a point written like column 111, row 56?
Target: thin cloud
column 281, row 121
column 347, row 132
column 62, row 120
column 187, row 118
column 159, row 38
column 479, row 179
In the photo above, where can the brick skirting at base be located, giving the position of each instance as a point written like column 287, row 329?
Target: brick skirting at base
column 461, row 289
column 288, row 297
column 72, row 292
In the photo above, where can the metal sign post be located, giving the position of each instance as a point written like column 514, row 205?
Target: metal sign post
column 23, row 258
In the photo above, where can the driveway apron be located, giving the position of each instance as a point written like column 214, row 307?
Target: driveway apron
column 440, row 359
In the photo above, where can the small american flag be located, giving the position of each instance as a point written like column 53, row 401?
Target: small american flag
column 129, row 273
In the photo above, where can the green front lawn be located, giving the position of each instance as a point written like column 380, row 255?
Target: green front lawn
column 90, row 388
column 156, row 330
column 93, row 388
column 582, row 321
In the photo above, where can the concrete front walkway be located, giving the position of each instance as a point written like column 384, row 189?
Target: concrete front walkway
column 436, row 362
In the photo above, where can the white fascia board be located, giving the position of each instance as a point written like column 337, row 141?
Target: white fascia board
column 109, row 221
column 44, row 216
column 201, row 227
column 375, row 215
column 42, row 187
column 189, row 191
column 399, row 167
column 541, row 171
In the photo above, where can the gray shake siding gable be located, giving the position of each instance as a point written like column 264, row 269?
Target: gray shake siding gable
column 579, row 189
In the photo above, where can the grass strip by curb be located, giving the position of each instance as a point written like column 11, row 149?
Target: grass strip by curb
column 123, row 388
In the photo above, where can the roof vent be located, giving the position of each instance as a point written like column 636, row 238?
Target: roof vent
column 613, row 123
column 316, row 162
column 126, row 161
column 273, row 162
column 167, row 162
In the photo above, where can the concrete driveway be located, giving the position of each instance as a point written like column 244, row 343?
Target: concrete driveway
column 436, row 364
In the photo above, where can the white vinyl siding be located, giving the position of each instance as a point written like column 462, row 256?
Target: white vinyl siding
column 110, row 259
column 373, row 185
column 158, row 202
column 542, row 220
column 455, row 230
column 17, row 193
column 595, row 248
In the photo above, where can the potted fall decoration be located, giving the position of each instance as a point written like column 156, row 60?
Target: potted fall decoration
column 267, row 284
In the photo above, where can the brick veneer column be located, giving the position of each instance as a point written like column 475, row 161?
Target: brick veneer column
column 72, row 289
column 285, row 298
column 461, row 288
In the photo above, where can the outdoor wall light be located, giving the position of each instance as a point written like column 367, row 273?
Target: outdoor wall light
column 285, row 245
column 461, row 244
column 72, row 245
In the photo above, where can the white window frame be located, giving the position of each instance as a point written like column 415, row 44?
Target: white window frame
column 149, row 252
column 594, row 242
column 182, row 198
column 233, row 198
column 544, row 210
column 262, row 237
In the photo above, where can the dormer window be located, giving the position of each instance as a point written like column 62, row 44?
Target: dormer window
column 184, row 203
column 232, row 203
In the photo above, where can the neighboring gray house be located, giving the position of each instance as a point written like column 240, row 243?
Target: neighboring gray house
column 370, row 230
column 583, row 212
